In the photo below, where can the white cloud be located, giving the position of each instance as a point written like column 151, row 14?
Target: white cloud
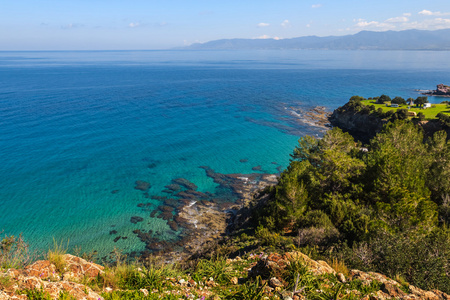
column 431, row 13
column 403, row 23
column 133, row 25
column 425, row 12
column 397, row 20
column 265, row 37
column 263, row 24
column 286, row 23
column 316, row 5
column 407, row 14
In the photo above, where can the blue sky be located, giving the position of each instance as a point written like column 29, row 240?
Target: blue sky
column 148, row 24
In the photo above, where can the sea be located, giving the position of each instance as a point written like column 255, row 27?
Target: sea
column 78, row 129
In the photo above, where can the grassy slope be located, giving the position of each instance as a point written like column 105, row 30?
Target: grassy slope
column 430, row 113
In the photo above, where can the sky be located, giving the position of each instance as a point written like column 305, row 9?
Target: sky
column 165, row 24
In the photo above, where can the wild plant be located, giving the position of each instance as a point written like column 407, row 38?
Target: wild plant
column 56, row 255
column 14, row 252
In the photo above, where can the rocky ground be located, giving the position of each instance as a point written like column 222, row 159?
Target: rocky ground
column 271, row 271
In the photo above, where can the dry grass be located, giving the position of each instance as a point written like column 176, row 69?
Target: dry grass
column 56, row 255
column 339, row 266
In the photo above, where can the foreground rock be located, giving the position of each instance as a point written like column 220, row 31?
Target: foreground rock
column 43, row 275
column 272, row 270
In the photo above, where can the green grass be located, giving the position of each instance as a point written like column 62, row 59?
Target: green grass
column 430, row 113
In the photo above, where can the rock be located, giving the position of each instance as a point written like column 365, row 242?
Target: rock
column 165, row 208
column 234, row 280
column 274, row 282
column 257, row 168
column 441, row 90
column 184, row 182
column 144, row 291
column 113, row 232
column 136, row 219
column 341, row 277
column 392, row 290
column 173, row 225
column 41, row 269
column 173, row 187
column 244, row 160
column 116, row 239
column 142, row 185
column 42, row 275
column 78, row 267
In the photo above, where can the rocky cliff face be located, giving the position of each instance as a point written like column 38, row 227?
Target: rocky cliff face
column 364, row 127
column 361, row 126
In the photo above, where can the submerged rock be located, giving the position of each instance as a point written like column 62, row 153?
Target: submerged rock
column 174, row 187
column 142, row 185
column 136, row 219
column 184, row 182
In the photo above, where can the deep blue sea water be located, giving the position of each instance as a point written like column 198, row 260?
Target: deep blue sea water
column 77, row 129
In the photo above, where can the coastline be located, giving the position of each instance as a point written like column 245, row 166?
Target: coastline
column 203, row 222
column 204, row 219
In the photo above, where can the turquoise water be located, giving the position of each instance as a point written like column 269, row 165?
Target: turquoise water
column 78, row 129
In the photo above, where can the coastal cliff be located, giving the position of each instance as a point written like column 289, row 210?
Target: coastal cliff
column 364, row 122
column 361, row 126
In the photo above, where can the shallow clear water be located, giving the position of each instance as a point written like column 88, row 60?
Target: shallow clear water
column 77, row 129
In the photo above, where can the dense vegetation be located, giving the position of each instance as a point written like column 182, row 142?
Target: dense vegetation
column 385, row 207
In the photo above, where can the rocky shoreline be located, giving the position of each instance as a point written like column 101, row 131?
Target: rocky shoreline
column 316, row 116
column 198, row 219
column 441, row 90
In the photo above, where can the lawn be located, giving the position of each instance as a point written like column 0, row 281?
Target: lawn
column 430, row 113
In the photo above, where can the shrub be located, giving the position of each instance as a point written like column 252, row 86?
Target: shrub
column 14, row 252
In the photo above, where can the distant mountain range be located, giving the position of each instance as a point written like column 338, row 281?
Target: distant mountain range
column 365, row 40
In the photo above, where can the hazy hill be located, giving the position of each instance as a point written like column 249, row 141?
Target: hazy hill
column 364, row 40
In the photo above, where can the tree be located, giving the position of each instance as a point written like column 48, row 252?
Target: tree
column 420, row 101
column 399, row 101
column 421, row 116
column 439, row 171
column 400, row 114
column 383, row 98
column 396, row 176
